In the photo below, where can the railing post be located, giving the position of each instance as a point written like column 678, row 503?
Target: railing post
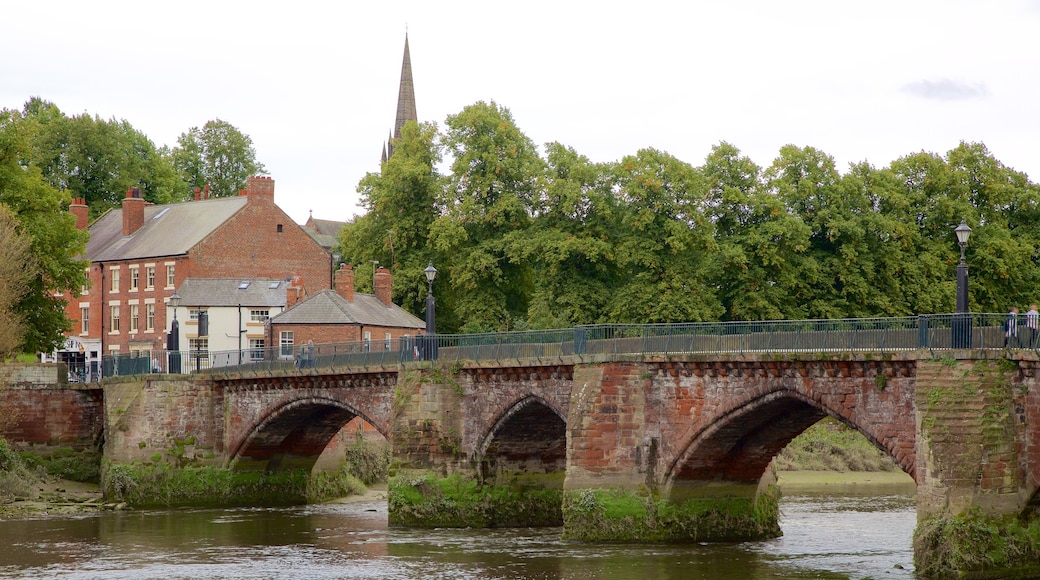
column 922, row 331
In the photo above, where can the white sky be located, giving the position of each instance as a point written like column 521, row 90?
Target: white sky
column 314, row 84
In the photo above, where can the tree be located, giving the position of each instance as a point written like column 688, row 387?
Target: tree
column 402, row 203
column 218, row 155
column 763, row 247
column 666, row 250
column 43, row 217
column 17, row 268
column 495, row 183
column 569, row 245
column 95, row 159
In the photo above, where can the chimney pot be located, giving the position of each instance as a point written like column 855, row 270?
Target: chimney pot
column 345, row 282
column 382, row 280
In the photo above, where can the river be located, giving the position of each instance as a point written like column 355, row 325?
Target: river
column 859, row 531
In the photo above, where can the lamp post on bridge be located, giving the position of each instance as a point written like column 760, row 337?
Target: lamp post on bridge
column 430, row 352
column 962, row 318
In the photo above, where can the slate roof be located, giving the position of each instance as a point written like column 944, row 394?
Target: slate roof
column 215, row 292
column 168, row 230
column 328, row 307
column 325, row 232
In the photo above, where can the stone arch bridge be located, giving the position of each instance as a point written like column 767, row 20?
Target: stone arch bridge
column 655, row 431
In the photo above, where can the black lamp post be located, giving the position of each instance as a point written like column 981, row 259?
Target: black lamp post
column 173, row 341
column 203, row 327
column 962, row 318
column 431, row 315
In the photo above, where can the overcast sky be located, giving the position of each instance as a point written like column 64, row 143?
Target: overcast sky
column 314, row 84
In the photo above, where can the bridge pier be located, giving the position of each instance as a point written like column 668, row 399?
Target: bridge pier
column 978, row 468
column 448, row 472
column 617, row 488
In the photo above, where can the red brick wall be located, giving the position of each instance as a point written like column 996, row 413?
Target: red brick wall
column 336, row 333
column 250, row 245
column 99, row 295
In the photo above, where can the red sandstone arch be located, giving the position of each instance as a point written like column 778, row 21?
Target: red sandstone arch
column 529, row 434
column 293, row 435
column 740, row 442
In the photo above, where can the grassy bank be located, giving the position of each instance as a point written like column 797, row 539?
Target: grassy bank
column 831, row 446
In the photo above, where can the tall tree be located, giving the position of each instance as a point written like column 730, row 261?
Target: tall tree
column 43, row 217
column 17, row 268
column 570, row 243
column 666, row 249
column 96, row 159
column 218, row 155
column 764, row 247
column 402, row 203
column 496, row 181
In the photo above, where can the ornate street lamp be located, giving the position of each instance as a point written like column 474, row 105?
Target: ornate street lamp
column 962, row 319
column 430, row 352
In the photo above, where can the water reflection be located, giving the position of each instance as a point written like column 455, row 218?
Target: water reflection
column 828, row 533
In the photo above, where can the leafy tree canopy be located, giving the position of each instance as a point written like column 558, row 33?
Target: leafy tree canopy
column 218, row 155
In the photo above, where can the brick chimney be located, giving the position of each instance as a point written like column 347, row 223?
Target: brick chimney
column 345, row 282
column 79, row 208
column 133, row 211
column 260, row 187
column 382, row 281
column 294, row 292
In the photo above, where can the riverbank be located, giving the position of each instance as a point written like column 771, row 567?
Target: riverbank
column 57, row 497
column 795, row 480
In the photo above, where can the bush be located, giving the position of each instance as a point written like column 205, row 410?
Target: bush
column 16, row 478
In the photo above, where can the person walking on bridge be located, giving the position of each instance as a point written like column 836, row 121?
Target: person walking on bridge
column 1033, row 324
column 1011, row 329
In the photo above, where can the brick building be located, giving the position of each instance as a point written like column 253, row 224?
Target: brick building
column 342, row 315
column 140, row 254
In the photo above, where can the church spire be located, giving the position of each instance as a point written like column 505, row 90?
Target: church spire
column 405, row 102
column 405, row 94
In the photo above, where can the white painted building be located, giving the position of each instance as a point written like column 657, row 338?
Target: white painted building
column 237, row 310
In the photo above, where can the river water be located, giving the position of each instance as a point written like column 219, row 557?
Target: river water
column 830, row 531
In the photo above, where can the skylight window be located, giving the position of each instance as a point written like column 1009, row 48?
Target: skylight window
column 162, row 213
column 274, row 285
column 243, row 285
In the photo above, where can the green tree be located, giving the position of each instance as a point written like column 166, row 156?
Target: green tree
column 1004, row 242
column 496, row 181
column 17, row 268
column 401, row 202
column 764, row 247
column 569, row 246
column 43, row 217
column 95, row 159
column 667, row 255
column 218, row 155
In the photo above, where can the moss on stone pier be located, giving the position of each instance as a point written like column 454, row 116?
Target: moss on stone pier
column 975, row 545
column 166, row 485
column 428, row 501
column 631, row 516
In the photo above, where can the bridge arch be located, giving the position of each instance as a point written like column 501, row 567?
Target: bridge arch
column 528, row 437
column 293, row 435
column 736, row 448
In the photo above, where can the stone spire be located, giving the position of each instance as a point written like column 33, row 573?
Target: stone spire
column 405, row 94
column 405, row 99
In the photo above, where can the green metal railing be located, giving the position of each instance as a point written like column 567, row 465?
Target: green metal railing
column 936, row 332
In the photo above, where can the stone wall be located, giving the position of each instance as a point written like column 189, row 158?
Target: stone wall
column 176, row 417
column 41, row 408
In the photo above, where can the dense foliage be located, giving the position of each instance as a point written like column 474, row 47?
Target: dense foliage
column 522, row 240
